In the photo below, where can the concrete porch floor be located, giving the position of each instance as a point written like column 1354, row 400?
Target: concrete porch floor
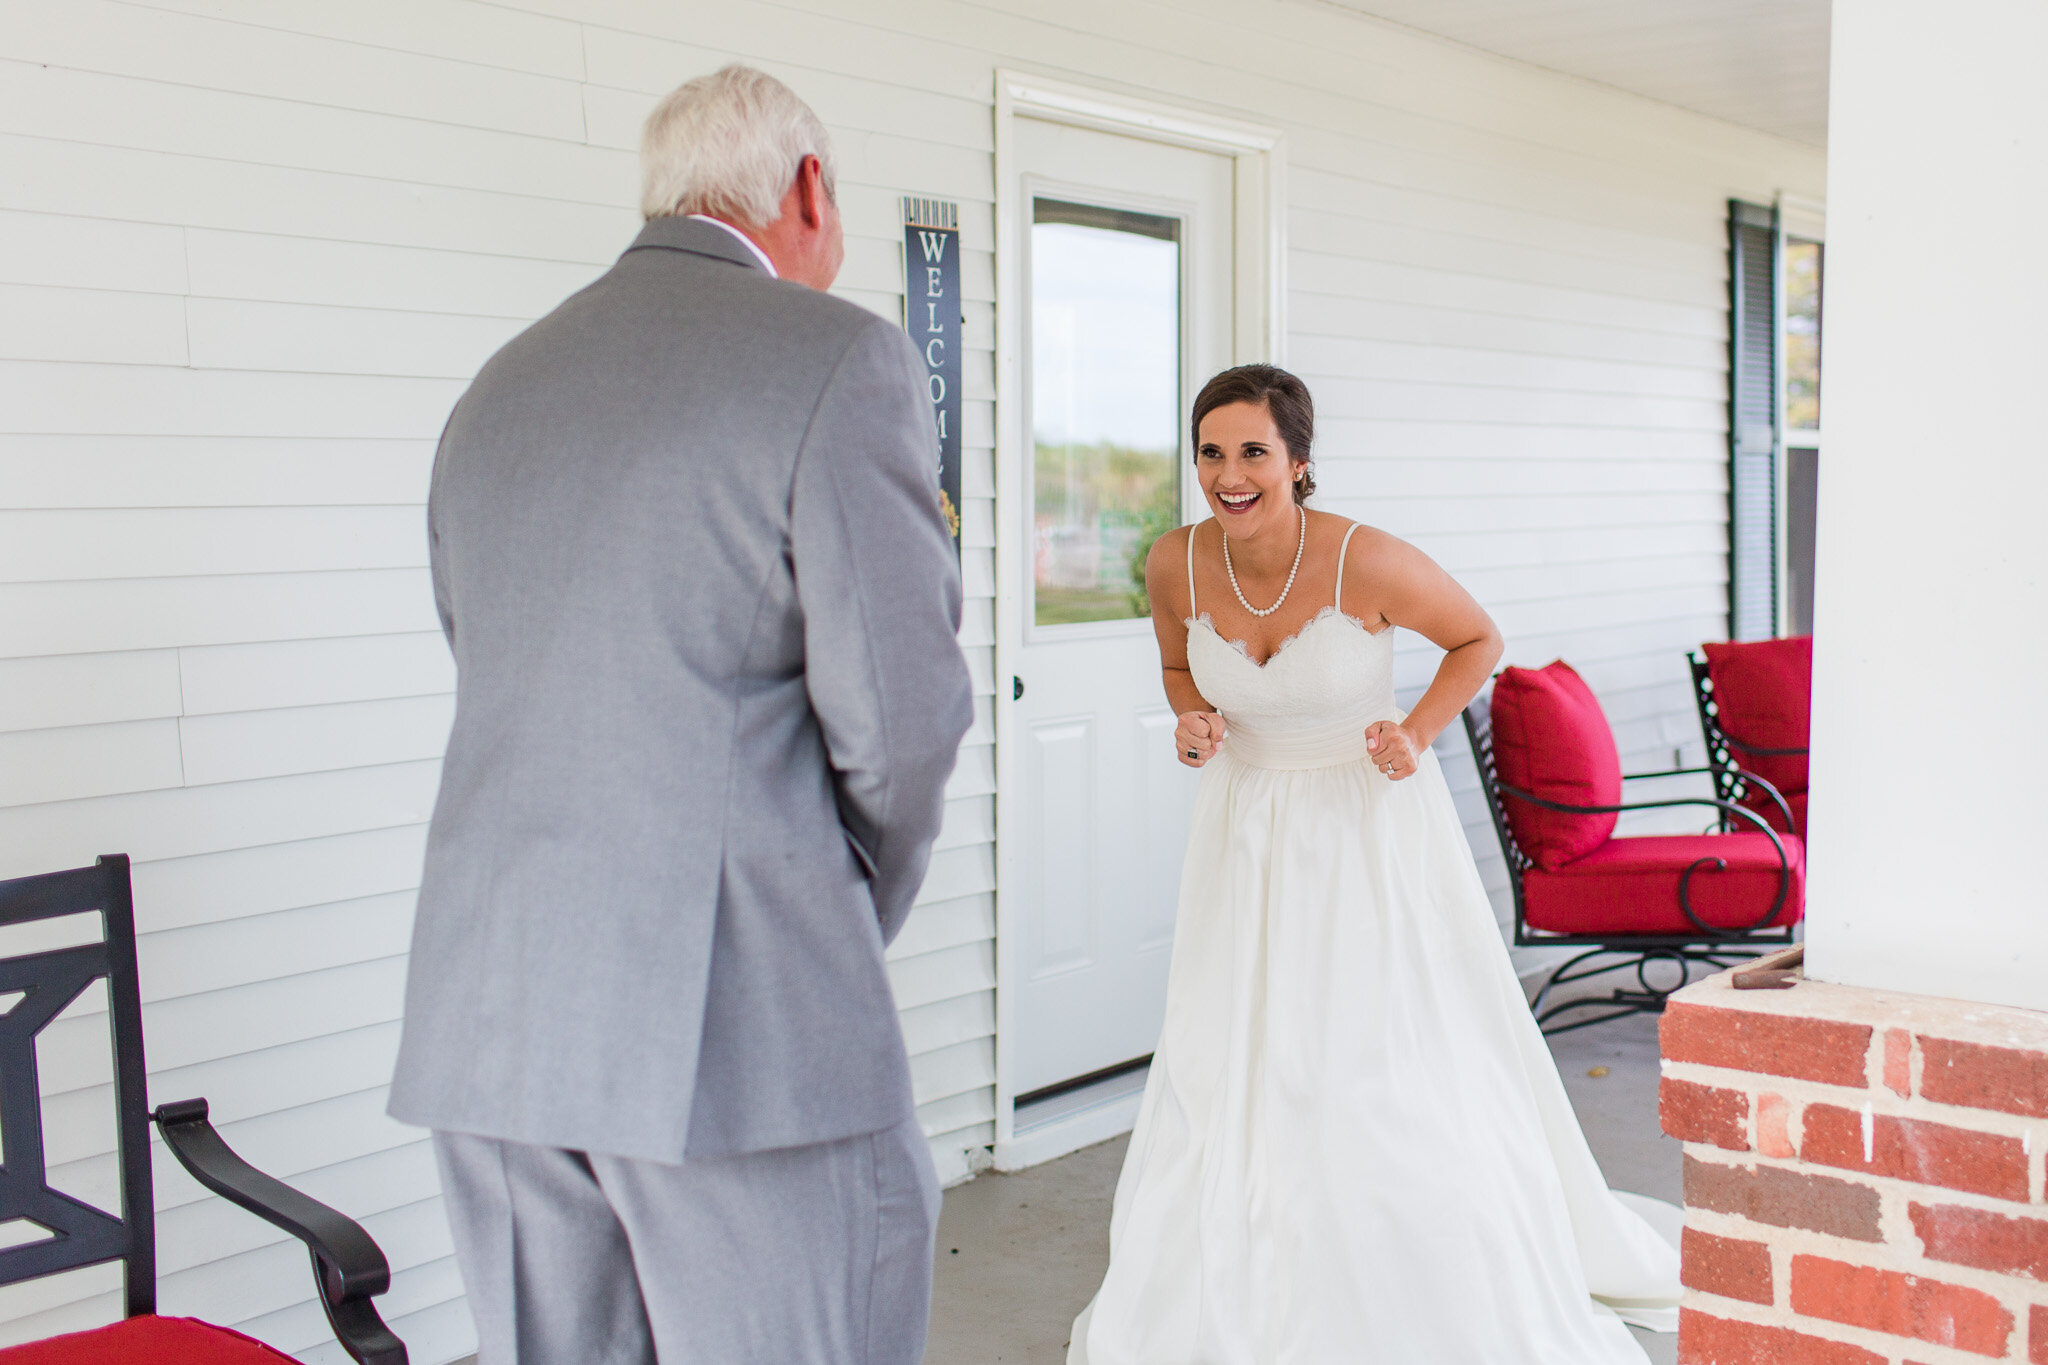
column 1019, row 1255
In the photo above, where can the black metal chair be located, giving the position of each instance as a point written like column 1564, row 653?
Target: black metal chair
column 1703, row 945
column 1733, row 781
column 348, row 1267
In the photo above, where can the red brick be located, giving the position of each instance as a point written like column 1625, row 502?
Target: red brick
column 1980, row 1238
column 1704, row 1339
column 1727, row 1266
column 1704, row 1113
column 1774, row 1126
column 1898, row 1060
column 1784, row 1199
column 1914, row 1149
column 1903, row 1305
column 2037, row 1336
column 1769, row 1044
column 2003, row 1078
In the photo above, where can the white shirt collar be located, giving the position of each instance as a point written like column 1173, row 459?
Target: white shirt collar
column 751, row 245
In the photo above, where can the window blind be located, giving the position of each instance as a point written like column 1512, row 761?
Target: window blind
column 1752, row 421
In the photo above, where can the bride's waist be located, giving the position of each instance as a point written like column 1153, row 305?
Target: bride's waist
column 1295, row 745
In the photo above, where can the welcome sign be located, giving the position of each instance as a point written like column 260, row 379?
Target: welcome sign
column 931, row 314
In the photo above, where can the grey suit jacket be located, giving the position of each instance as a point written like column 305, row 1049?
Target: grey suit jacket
column 688, row 553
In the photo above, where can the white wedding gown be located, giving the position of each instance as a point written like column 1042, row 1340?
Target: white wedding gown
column 1354, row 1148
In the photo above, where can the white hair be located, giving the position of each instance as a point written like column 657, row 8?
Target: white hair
column 729, row 145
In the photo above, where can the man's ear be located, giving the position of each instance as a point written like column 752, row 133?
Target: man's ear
column 811, row 194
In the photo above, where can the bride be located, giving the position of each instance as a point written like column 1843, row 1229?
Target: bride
column 1354, row 1148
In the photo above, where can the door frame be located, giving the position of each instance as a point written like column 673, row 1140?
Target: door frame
column 1258, row 332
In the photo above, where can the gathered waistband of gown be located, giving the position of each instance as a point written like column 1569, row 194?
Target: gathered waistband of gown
column 1296, row 748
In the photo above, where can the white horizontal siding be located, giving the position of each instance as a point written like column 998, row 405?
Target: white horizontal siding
column 250, row 250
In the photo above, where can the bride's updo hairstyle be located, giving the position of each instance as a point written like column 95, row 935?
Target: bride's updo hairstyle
column 1283, row 396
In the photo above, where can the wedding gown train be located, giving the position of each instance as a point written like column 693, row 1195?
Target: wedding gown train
column 1354, row 1148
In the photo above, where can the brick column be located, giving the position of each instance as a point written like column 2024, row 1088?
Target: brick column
column 1864, row 1179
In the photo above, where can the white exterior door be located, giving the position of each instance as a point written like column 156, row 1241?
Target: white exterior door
column 1126, row 248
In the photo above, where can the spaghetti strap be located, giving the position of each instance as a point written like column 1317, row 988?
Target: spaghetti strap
column 1342, row 550
column 1191, row 573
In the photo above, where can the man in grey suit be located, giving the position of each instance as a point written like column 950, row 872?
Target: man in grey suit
column 688, row 553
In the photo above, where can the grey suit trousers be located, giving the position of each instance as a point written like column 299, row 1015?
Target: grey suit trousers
column 815, row 1255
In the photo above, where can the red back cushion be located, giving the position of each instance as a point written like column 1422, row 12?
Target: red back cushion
column 1764, row 690
column 1550, row 737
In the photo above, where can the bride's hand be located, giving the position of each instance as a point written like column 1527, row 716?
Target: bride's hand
column 1197, row 738
column 1392, row 749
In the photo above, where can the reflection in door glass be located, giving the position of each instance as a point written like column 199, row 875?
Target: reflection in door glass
column 1105, row 405
column 1802, row 334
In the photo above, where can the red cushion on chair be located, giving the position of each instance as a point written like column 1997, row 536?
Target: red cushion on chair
column 1550, row 737
column 1763, row 690
column 147, row 1341
column 1630, row 886
column 1772, row 816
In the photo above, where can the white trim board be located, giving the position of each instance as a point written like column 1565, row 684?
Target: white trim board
column 1095, row 1114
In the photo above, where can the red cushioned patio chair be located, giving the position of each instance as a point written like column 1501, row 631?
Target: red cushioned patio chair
column 348, row 1267
column 1553, row 782
column 1756, row 705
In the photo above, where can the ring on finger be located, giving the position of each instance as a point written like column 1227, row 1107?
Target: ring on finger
column 1193, row 754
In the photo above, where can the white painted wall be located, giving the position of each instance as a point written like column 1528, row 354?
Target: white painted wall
column 1925, row 872
column 250, row 251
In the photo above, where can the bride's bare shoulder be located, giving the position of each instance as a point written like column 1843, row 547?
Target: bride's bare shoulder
column 1379, row 566
column 1167, row 561
column 1171, row 548
column 1166, row 574
column 1360, row 539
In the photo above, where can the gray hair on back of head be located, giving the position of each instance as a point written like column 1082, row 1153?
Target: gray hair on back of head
column 729, row 145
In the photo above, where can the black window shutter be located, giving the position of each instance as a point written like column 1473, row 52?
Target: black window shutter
column 1752, row 421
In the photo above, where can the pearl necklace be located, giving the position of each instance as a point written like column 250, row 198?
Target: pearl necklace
column 1299, row 545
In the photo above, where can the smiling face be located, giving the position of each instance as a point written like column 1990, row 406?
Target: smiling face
column 1246, row 470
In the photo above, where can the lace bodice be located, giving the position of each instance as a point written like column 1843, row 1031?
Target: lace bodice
column 1308, row 705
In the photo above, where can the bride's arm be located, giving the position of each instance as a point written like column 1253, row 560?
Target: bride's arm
column 1200, row 729
column 1411, row 590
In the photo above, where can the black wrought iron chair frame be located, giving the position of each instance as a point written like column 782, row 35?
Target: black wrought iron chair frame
column 1711, row 947
column 1732, row 781
column 348, row 1267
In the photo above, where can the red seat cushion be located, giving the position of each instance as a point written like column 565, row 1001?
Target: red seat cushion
column 1630, row 886
column 1763, row 690
column 147, row 1341
column 1550, row 737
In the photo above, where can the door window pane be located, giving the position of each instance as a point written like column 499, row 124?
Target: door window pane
column 1105, row 406
column 1802, row 334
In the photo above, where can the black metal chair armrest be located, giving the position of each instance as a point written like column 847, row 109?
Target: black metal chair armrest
column 1745, row 775
column 1759, row 750
column 347, row 1261
column 1748, row 778
column 1727, row 808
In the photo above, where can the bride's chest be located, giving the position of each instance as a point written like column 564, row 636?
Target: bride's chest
column 1331, row 664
